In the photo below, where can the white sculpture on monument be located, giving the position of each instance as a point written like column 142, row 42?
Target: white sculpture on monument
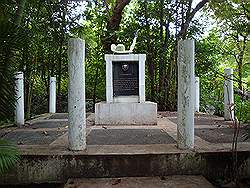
column 120, row 48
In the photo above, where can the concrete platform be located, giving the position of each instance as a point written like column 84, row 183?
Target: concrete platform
column 123, row 150
column 141, row 182
column 126, row 113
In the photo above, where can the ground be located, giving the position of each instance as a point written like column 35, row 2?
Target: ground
column 51, row 129
column 46, row 135
column 142, row 182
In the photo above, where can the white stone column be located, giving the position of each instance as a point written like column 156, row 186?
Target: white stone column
column 197, row 94
column 142, row 59
column 52, row 95
column 19, row 112
column 109, row 78
column 185, row 120
column 228, row 95
column 76, row 94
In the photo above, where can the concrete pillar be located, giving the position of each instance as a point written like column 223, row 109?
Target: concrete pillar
column 52, row 95
column 228, row 95
column 76, row 94
column 19, row 112
column 197, row 94
column 185, row 120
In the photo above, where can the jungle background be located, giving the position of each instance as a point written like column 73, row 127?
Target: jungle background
column 34, row 37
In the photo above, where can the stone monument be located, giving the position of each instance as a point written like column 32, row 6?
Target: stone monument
column 125, row 90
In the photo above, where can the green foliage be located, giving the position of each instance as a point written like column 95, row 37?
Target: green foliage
column 8, row 156
column 49, row 24
column 242, row 109
column 11, row 41
column 233, row 22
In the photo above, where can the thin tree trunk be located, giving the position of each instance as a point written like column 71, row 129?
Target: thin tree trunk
column 94, row 91
column 172, row 69
column 183, row 32
column 29, row 99
column 161, row 76
column 162, row 59
column 59, row 78
column 165, row 47
column 19, row 11
column 240, row 60
column 240, row 65
column 149, row 56
column 59, row 75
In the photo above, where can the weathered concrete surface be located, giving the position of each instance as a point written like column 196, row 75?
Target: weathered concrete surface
column 222, row 135
column 34, row 137
column 141, row 182
column 197, row 94
column 76, row 94
column 126, row 113
column 55, row 163
column 228, row 94
column 52, row 95
column 19, row 111
column 185, row 121
column 128, row 137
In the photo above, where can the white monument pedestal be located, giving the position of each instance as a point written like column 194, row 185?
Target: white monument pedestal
column 126, row 113
column 125, row 92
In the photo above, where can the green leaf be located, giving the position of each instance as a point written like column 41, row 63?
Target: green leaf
column 8, row 155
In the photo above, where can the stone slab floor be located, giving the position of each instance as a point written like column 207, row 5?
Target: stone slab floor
column 51, row 129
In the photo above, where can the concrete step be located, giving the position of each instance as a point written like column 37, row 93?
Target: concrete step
column 54, row 164
column 141, row 182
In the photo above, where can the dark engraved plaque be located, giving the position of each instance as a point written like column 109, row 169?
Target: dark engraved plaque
column 125, row 78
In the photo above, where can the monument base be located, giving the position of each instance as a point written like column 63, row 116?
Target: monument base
column 126, row 113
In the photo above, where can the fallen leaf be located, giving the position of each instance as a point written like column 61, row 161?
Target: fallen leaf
column 117, row 181
column 163, row 178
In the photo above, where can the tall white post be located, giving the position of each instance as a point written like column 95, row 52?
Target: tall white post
column 185, row 120
column 228, row 95
column 76, row 94
column 52, row 95
column 19, row 112
column 197, row 94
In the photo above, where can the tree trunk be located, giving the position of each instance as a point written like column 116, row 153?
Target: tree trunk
column 240, row 65
column 113, row 24
column 161, row 63
column 29, row 99
column 19, row 11
column 171, row 77
column 94, row 91
column 183, row 32
column 162, row 66
column 60, row 60
column 239, row 60
column 59, row 78
column 166, row 44
column 149, row 54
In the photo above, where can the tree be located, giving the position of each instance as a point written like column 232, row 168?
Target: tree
column 157, row 39
column 114, row 18
column 12, row 38
column 233, row 19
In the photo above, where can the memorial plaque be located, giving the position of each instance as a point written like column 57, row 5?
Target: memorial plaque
column 125, row 78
